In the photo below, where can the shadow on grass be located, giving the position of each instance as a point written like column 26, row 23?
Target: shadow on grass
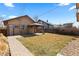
column 68, row 34
column 29, row 35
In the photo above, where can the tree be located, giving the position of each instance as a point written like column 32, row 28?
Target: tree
column 1, row 21
column 36, row 18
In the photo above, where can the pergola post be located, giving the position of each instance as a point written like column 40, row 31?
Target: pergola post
column 77, row 12
column 43, row 30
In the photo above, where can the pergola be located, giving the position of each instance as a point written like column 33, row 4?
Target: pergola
column 77, row 13
column 36, row 27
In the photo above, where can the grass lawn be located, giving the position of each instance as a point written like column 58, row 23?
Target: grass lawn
column 45, row 45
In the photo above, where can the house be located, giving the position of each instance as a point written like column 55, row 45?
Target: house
column 21, row 25
column 47, row 27
column 65, row 28
column 68, row 25
column 45, row 24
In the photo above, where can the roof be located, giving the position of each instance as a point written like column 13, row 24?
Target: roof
column 44, row 22
column 36, row 24
column 68, row 24
column 18, row 17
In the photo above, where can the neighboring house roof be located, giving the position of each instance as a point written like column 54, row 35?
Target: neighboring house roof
column 19, row 17
column 36, row 24
column 68, row 24
column 44, row 22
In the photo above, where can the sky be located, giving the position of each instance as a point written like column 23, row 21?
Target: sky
column 55, row 13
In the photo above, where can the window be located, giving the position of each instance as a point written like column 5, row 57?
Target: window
column 40, row 22
column 12, row 26
column 23, row 26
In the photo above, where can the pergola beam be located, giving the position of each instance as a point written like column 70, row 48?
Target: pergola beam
column 77, row 12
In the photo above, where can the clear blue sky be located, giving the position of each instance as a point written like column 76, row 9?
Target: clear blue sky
column 55, row 13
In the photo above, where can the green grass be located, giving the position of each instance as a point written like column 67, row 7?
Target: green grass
column 45, row 45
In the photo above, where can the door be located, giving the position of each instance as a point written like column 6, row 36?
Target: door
column 11, row 29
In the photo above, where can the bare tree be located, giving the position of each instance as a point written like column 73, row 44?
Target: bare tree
column 36, row 18
column 1, row 21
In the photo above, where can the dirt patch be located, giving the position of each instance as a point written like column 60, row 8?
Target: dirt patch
column 72, row 49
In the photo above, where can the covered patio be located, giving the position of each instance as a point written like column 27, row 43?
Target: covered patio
column 36, row 28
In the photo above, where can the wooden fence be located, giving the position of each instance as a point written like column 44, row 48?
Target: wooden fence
column 68, row 31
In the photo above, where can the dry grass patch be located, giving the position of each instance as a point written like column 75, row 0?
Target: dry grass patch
column 3, row 45
column 47, row 44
